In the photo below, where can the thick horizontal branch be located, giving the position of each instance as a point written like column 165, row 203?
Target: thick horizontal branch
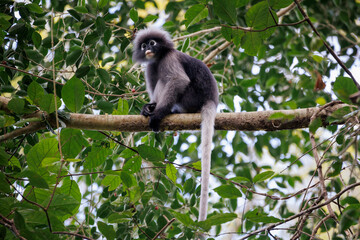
column 242, row 121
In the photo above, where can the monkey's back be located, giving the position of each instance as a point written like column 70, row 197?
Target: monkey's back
column 202, row 87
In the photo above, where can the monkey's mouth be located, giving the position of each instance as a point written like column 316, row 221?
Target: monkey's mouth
column 149, row 54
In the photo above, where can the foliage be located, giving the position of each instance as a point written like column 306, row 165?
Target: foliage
column 123, row 185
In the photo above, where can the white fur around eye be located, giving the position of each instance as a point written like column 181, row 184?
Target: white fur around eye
column 152, row 42
column 143, row 46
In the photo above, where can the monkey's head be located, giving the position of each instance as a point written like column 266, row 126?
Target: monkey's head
column 151, row 44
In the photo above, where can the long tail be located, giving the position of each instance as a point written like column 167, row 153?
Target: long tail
column 208, row 113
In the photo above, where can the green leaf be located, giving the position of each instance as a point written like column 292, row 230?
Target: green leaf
column 171, row 172
column 44, row 149
column 103, row 75
column 134, row 15
column 64, row 204
column 217, row 219
column 73, row 56
column 122, row 217
column 35, row 8
column 315, row 124
column 237, row 36
column 36, row 38
column 228, row 191
column 72, row 142
column 74, row 14
column 343, row 88
column 73, row 94
column 185, row 45
column 112, row 181
column 103, row 3
column 246, row 83
column 263, row 176
column 70, row 187
column 4, row 156
column 259, row 217
column 189, row 185
column 16, row 105
column 96, row 157
column 226, row 10
column 126, row 179
column 240, row 179
column 47, row 42
column 259, row 17
column 251, row 42
column 151, row 154
column 133, row 165
column 82, row 71
column 35, row 92
column 122, row 107
column 34, row 55
column 92, row 38
column 107, row 230
column 226, row 33
column 105, row 106
column 4, row 185
column 47, row 103
column 150, row 18
column 107, row 60
column 49, row 161
column 81, row 9
column 35, row 179
column 277, row 4
column 183, row 218
column 196, row 13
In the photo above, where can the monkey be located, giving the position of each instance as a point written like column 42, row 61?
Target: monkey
column 178, row 83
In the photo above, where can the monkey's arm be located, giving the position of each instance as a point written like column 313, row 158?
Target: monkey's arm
column 166, row 96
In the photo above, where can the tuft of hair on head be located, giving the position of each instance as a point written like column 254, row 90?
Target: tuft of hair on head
column 156, row 33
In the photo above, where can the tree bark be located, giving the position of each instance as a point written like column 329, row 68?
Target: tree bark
column 242, row 121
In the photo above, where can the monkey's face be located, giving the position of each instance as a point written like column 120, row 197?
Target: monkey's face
column 150, row 48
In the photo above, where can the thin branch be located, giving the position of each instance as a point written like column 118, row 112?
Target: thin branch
column 164, row 228
column 271, row 226
column 247, row 29
column 10, row 224
column 205, row 31
column 74, row 234
column 316, row 228
column 326, row 45
column 216, row 51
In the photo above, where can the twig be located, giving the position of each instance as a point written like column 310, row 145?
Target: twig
column 215, row 52
column 318, row 162
column 74, row 234
column 316, row 228
column 271, row 226
column 205, row 31
column 164, row 228
column 118, row 142
column 326, row 45
column 10, row 224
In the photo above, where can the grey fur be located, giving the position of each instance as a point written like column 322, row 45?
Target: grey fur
column 178, row 83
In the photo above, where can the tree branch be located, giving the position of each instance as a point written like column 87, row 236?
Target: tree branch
column 242, row 121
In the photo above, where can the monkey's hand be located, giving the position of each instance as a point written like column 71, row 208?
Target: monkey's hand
column 148, row 109
column 154, row 123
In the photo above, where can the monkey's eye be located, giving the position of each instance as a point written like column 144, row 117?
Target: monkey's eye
column 143, row 46
column 152, row 43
